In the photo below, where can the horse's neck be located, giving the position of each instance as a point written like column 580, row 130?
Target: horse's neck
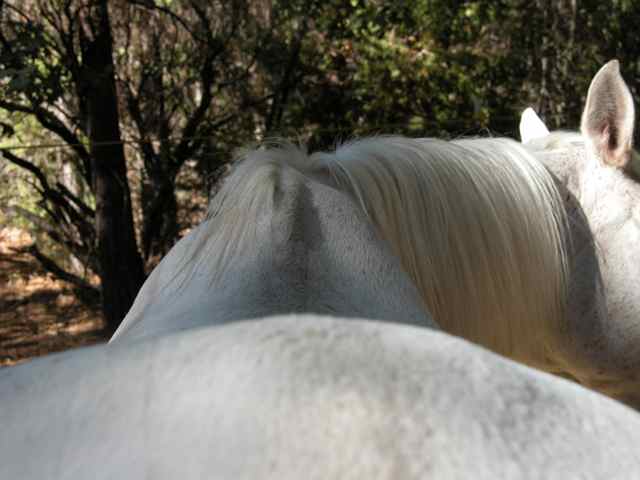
column 351, row 270
column 604, row 228
column 315, row 252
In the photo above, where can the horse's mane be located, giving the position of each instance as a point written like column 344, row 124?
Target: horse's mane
column 479, row 226
column 245, row 197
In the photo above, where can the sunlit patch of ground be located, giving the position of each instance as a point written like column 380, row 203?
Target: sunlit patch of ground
column 38, row 314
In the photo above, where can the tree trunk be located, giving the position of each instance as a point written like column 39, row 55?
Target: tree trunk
column 121, row 270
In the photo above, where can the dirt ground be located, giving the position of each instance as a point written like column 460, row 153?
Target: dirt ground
column 38, row 315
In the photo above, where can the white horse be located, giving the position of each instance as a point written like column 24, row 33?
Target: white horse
column 475, row 223
column 305, row 397
column 499, row 251
column 498, row 245
column 598, row 166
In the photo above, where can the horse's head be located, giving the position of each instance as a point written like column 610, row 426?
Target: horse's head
column 606, row 130
column 600, row 167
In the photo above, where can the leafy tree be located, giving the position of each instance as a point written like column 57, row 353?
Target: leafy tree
column 40, row 65
column 177, row 80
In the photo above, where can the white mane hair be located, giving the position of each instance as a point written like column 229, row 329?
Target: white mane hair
column 477, row 224
column 480, row 227
column 245, row 198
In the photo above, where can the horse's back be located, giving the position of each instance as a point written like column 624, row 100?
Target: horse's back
column 302, row 396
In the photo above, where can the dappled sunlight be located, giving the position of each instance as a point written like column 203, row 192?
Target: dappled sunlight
column 38, row 314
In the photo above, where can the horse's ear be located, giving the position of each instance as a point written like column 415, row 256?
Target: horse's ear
column 531, row 126
column 609, row 115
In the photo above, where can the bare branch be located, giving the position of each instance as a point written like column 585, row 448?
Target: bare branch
column 52, row 267
column 27, row 166
column 78, row 250
column 59, row 199
column 287, row 83
column 88, row 211
column 150, row 5
column 133, row 106
column 51, row 123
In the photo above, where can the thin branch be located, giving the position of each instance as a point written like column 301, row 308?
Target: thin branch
column 185, row 147
column 150, row 5
column 78, row 250
column 58, row 198
column 51, row 123
column 52, row 267
column 27, row 166
column 88, row 211
column 280, row 100
column 41, row 224
column 148, row 153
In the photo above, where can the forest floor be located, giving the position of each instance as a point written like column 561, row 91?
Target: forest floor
column 38, row 314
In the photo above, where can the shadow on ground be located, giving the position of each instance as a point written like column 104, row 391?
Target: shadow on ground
column 38, row 315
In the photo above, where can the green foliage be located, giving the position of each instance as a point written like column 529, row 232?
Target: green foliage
column 318, row 71
column 31, row 69
column 434, row 67
column 382, row 67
